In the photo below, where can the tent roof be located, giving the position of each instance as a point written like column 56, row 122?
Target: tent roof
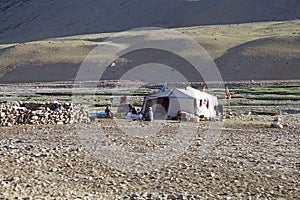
column 188, row 93
column 161, row 94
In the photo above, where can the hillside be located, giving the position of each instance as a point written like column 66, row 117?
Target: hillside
column 275, row 58
column 31, row 20
column 251, row 51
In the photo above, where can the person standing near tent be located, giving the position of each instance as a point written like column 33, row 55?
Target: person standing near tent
column 220, row 111
column 163, row 88
column 149, row 114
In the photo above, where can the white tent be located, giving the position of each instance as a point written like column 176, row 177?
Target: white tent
column 190, row 100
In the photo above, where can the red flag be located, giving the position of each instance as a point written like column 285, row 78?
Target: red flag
column 228, row 96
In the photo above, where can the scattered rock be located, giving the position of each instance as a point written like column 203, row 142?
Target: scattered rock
column 49, row 161
column 16, row 113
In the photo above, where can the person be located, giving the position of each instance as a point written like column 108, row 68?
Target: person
column 163, row 88
column 132, row 109
column 107, row 112
column 149, row 114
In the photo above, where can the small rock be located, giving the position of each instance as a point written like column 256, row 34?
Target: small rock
column 4, row 184
column 34, row 117
column 212, row 174
column 181, row 197
column 277, row 125
column 2, row 114
column 172, row 197
column 53, row 169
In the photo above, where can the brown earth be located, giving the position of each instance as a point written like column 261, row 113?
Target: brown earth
column 247, row 161
column 45, row 73
column 255, row 60
column 273, row 58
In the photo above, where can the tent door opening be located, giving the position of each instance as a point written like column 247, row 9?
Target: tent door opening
column 160, row 106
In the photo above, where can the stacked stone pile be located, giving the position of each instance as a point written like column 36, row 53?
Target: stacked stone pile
column 162, row 196
column 17, row 112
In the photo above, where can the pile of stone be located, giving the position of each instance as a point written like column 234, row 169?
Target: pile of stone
column 16, row 113
column 276, row 123
column 161, row 196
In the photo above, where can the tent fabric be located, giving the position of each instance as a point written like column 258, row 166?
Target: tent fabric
column 188, row 99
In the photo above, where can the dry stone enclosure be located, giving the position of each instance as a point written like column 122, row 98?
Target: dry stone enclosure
column 18, row 112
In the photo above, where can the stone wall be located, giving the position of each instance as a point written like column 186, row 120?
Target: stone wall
column 15, row 113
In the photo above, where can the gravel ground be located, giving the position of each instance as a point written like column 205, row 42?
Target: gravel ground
column 248, row 161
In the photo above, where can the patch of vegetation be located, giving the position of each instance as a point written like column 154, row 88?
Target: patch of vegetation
column 138, row 92
column 251, row 103
column 265, row 112
column 277, row 97
column 275, row 90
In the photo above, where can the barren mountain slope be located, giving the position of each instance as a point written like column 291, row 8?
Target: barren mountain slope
column 258, row 51
column 263, row 59
column 28, row 20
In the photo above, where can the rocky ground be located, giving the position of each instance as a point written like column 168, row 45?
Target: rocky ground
column 249, row 160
